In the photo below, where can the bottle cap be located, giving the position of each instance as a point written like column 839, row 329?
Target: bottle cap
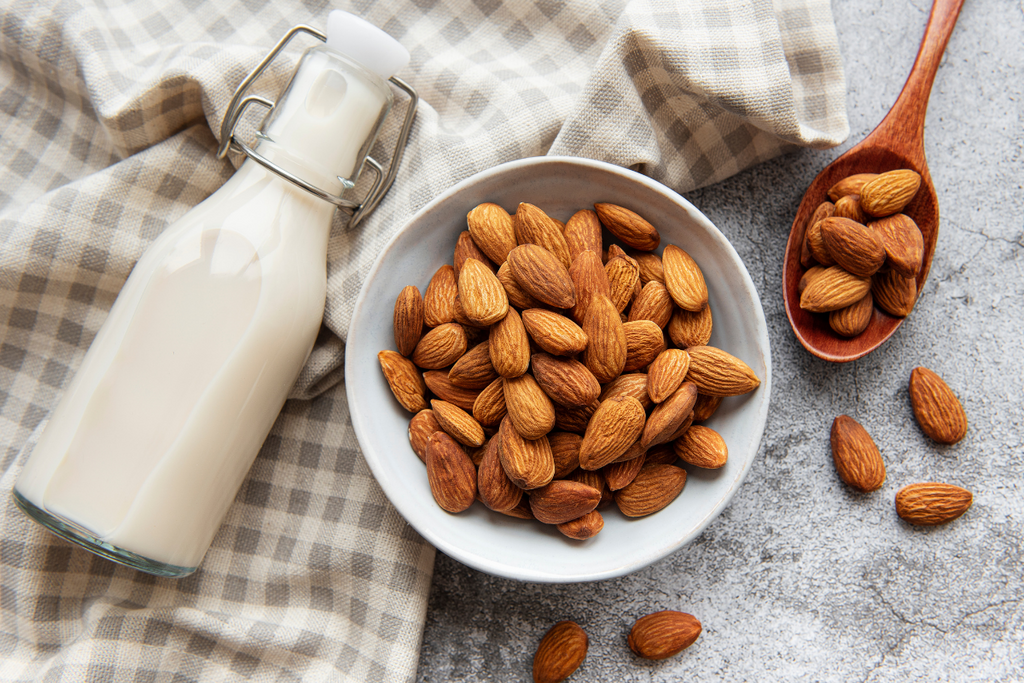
column 364, row 43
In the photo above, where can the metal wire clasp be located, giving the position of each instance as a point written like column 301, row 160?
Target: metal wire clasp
column 383, row 180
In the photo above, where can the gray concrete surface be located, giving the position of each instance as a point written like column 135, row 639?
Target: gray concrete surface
column 800, row 578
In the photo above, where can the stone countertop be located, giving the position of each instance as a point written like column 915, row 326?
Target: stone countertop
column 801, row 578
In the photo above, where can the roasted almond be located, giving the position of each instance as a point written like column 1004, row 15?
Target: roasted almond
column 903, row 242
column 856, row 456
column 589, row 279
column 492, row 231
column 533, row 226
column 688, row 328
column 702, row 447
column 889, row 192
column 849, row 207
column 824, row 210
column 566, row 381
column 481, row 294
column 623, row 275
column 654, row 304
column 554, row 332
column 617, row 423
column 458, row 424
column 855, row 247
column 854, row 319
column 560, row 653
column 421, row 426
column 528, row 463
column 832, row 289
column 565, row 449
column 509, row 346
column 644, row 341
column 632, row 384
column 668, row 416
column 705, row 407
column 466, row 248
column 931, row 503
column 893, row 293
column 620, row 473
column 517, row 296
column 719, row 373
column 489, row 405
column 582, row 528
column 666, row 373
column 850, row 185
column 408, row 321
column 438, row 383
column 496, row 490
column 404, row 379
column 806, row 278
column 439, row 299
column 651, row 268
column 595, row 480
column 529, row 408
column 817, row 247
column 574, row 419
column 583, row 233
column 474, row 370
column 937, row 409
column 628, row 226
column 663, row 634
column 605, row 355
column 563, row 500
column 684, row 279
column 451, row 473
column 542, row 275
column 653, row 488
column 440, row 347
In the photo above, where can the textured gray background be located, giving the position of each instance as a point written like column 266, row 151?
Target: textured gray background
column 800, row 578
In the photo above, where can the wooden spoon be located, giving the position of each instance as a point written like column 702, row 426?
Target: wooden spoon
column 897, row 142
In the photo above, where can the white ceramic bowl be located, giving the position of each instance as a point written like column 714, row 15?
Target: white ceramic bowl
column 529, row 550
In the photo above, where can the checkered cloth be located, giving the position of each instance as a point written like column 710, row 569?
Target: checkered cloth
column 106, row 111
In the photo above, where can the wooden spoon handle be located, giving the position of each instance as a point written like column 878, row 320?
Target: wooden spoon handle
column 903, row 126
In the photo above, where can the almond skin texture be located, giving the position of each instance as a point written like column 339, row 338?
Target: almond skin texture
column 633, row 384
column 816, row 245
column 893, row 293
column 542, row 275
column 929, row 504
column 854, row 319
column 517, row 296
column 824, row 210
column 481, row 294
column 489, row 405
column 496, row 490
column 565, row 381
column 856, row 456
column 705, row 407
column 589, row 279
column 719, row 373
column 533, row 226
column 560, row 653
column 668, row 416
column 553, row 332
column 651, row 268
column 439, row 299
column 583, row 233
column 903, row 242
column 617, row 423
column 492, row 231
column 936, row 407
column 849, row 207
column 422, row 425
column 574, row 419
column 565, row 449
column 404, row 379
column 605, row 355
column 628, row 226
column 684, row 279
column 623, row 275
column 562, row 501
column 440, row 347
column 474, row 369
column 438, row 383
column 529, row 408
column 528, row 463
column 509, row 346
column 850, row 185
column 856, row 248
column 663, row 634
column 408, row 322
column 458, row 424
column 654, row 304
column 653, row 488
column 619, row 474
column 832, row 289
column 666, row 373
column 451, row 473
column 687, row 328
column 889, row 192
column 703, row 447
column 805, row 280
column 644, row 341
column 582, row 528
column 466, row 248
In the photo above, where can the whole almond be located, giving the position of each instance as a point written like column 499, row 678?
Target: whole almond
column 832, row 289
column 705, row 407
column 527, row 462
column 936, row 407
column 893, row 293
column 632, row 384
column 533, row 226
column 931, row 503
column 440, row 347
column 616, row 424
column 496, row 490
column 702, row 447
column 848, row 206
column 408, row 321
column 451, row 473
column 668, row 416
column 666, row 373
column 595, row 480
column 651, row 267
column 421, row 426
column 489, row 405
column 439, row 384
column 565, row 449
column 583, row 233
column 628, row 226
column 654, row 304
column 529, row 408
column 582, row 528
column 566, row 381
column 854, row 319
column 806, row 278
column 458, row 424
column 563, row 500
column 644, row 341
column 481, row 294
column 824, row 210
column 605, row 355
column 719, row 373
column 903, row 242
column 517, row 296
column 856, row 456
column 466, row 248
column 574, row 419
column 404, row 379
column 492, row 231
column 560, row 653
column 653, row 488
column 474, row 370
column 687, row 328
column 589, row 279
column 855, row 247
column 542, row 275
column 663, row 634
column 619, row 474
column 850, row 185
column 554, row 332
column 509, row 346
column 623, row 276
column 889, row 192
column 817, row 247
column 439, row 299
column 684, row 279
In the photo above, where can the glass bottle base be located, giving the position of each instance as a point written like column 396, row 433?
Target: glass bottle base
column 95, row 545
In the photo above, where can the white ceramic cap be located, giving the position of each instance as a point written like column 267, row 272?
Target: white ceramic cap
column 363, row 42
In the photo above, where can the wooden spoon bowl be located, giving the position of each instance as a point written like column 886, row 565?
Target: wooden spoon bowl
column 897, row 142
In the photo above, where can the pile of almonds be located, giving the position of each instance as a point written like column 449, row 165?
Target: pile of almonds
column 565, row 376
column 861, row 252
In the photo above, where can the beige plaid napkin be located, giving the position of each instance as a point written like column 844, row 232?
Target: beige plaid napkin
column 106, row 111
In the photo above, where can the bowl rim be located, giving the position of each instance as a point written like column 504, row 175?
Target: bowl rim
column 486, row 564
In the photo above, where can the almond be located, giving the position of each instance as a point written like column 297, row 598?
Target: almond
column 533, row 226
column 474, row 369
column 651, row 267
column 666, row 373
column 893, row 293
column 542, row 275
column 459, row 424
column 582, row 528
column 404, row 379
column 619, row 474
column 932, row 503
column 663, row 634
column 496, row 490
column 616, row 424
column 687, row 328
column 408, row 322
column 644, row 341
column 683, row 428
column 856, row 456
column 817, row 247
column 574, row 419
column 605, row 355
column 623, row 275
column 583, row 233
column 936, row 407
column 684, row 279
column 451, row 473
column 481, row 294
column 668, row 416
column 854, row 319
column 719, row 373
column 635, row 450
column 824, row 210
column 595, row 480
column 633, row 384
column 489, row 405
column 653, row 488
column 662, row 454
column 654, row 304
column 832, row 289
column 889, row 192
column 705, row 407
column 566, row 381
column 805, row 280
column 565, row 449
column 560, row 653
column 466, row 248
column 702, row 447
column 628, row 226
column 440, row 347
column 903, row 243
column 563, row 500
column 492, row 231
column 509, row 346
column 589, row 279
column 438, row 383
column 850, row 185
column 554, row 332
column 529, row 408
column 421, row 426
column 856, row 248
column 439, row 299
column 528, row 463
column 521, row 511
column 849, row 207
column 517, row 296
